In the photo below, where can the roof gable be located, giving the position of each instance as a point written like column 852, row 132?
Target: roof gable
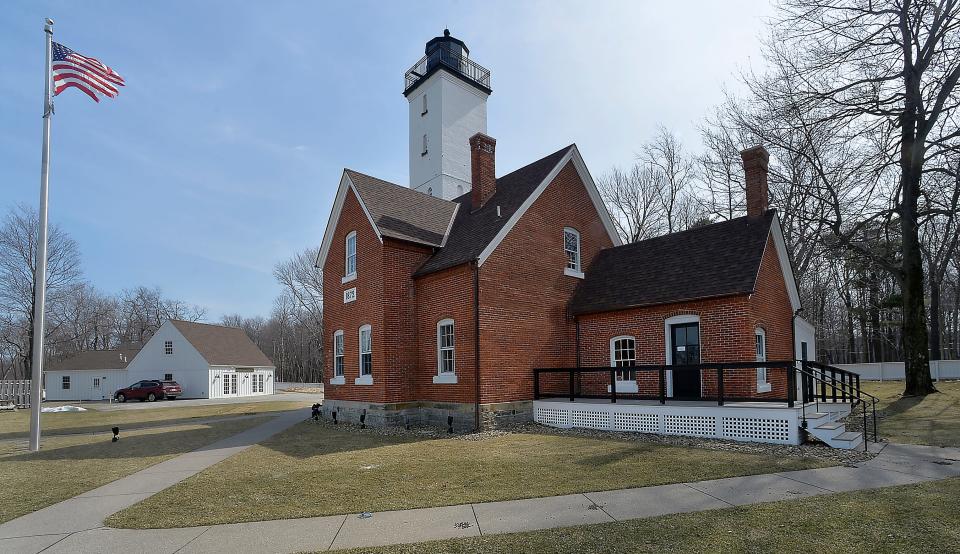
column 477, row 233
column 221, row 345
column 722, row 259
column 393, row 211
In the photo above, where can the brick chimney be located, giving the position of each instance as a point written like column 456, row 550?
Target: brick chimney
column 755, row 167
column 483, row 177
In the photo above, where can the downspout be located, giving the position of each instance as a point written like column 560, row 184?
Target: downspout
column 476, row 342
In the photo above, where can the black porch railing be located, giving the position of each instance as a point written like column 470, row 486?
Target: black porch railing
column 825, row 383
column 443, row 57
column 725, row 374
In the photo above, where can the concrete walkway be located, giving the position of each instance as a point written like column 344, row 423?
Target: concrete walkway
column 76, row 525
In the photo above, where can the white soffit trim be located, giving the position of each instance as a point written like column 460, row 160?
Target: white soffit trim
column 345, row 185
column 786, row 268
column 578, row 164
column 446, row 234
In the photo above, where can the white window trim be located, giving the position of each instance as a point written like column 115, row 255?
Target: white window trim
column 364, row 379
column 338, row 379
column 668, row 352
column 763, row 383
column 165, row 343
column 623, row 386
column 449, row 377
column 572, row 271
column 347, row 277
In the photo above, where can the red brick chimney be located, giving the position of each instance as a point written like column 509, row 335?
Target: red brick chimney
column 755, row 167
column 483, row 175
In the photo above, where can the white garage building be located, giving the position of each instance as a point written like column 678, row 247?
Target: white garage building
column 91, row 375
column 209, row 361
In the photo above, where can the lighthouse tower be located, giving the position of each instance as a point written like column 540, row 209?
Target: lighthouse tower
column 447, row 96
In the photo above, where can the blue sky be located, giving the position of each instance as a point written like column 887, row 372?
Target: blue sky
column 222, row 154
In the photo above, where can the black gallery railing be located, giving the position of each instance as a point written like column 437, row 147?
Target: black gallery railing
column 720, row 382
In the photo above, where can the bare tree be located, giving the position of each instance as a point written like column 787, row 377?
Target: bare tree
column 19, row 237
column 665, row 155
column 870, row 86
column 633, row 198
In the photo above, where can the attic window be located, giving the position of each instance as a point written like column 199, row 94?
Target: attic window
column 350, row 261
column 571, row 247
column 168, row 347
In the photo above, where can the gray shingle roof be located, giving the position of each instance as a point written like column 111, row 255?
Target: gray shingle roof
column 221, row 345
column 721, row 259
column 96, row 359
column 473, row 231
column 403, row 213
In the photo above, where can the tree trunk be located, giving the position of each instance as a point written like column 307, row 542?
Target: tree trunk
column 915, row 340
column 876, row 344
column 935, row 348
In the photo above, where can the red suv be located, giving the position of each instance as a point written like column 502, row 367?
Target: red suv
column 149, row 390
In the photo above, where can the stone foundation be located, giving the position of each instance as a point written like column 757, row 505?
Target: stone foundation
column 433, row 414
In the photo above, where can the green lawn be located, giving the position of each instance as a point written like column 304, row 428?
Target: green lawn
column 912, row 518
column 68, row 466
column 17, row 424
column 320, row 469
column 933, row 420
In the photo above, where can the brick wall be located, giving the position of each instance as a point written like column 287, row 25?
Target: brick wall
column 366, row 309
column 524, row 292
column 727, row 328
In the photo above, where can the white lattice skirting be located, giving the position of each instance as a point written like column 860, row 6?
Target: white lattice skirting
column 774, row 425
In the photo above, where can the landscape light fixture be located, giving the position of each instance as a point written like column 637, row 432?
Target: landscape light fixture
column 116, row 434
column 334, row 417
column 450, row 424
column 363, row 419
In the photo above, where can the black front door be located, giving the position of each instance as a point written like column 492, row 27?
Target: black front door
column 685, row 347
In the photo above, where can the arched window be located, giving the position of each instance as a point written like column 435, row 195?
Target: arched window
column 446, row 363
column 571, row 247
column 338, row 354
column 350, row 257
column 760, row 340
column 623, row 353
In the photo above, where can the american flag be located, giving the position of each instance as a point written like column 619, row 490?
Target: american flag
column 87, row 74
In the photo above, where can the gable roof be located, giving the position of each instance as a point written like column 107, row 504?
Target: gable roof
column 221, row 345
column 403, row 213
column 118, row 358
column 721, row 259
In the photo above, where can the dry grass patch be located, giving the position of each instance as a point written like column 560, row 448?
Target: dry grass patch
column 68, row 466
column 17, row 424
column 933, row 419
column 321, row 469
column 912, row 518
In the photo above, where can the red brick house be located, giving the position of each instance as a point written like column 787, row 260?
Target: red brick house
column 443, row 297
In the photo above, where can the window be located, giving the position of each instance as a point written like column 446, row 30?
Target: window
column 168, row 347
column 350, row 260
column 366, row 352
column 424, row 110
column 623, row 353
column 96, row 383
column 760, row 337
column 65, row 383
column 424, row 151
column 258, row 382
column 226, row 383
column 445, row 350
column 571, row 247
column 338, row 354
column 168, row 377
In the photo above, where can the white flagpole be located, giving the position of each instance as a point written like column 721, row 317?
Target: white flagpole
column 40, row 277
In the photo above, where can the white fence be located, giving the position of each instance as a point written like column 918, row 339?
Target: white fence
column 939, row 369
column 16, row 391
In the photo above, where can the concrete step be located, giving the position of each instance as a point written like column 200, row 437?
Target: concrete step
column 847, row 440
column 831, row 426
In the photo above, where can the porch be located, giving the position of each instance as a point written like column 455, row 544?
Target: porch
column 730, row 401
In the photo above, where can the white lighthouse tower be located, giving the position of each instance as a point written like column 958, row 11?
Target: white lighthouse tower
column 447, row 95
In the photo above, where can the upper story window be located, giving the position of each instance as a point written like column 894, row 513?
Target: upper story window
column 424, row 110
column 168, row 347
column 366, row 351
column 338, row 354
column 571, row 247
column 350, row 260
column 423, row 152
column 760, row 340
column 445, row 349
